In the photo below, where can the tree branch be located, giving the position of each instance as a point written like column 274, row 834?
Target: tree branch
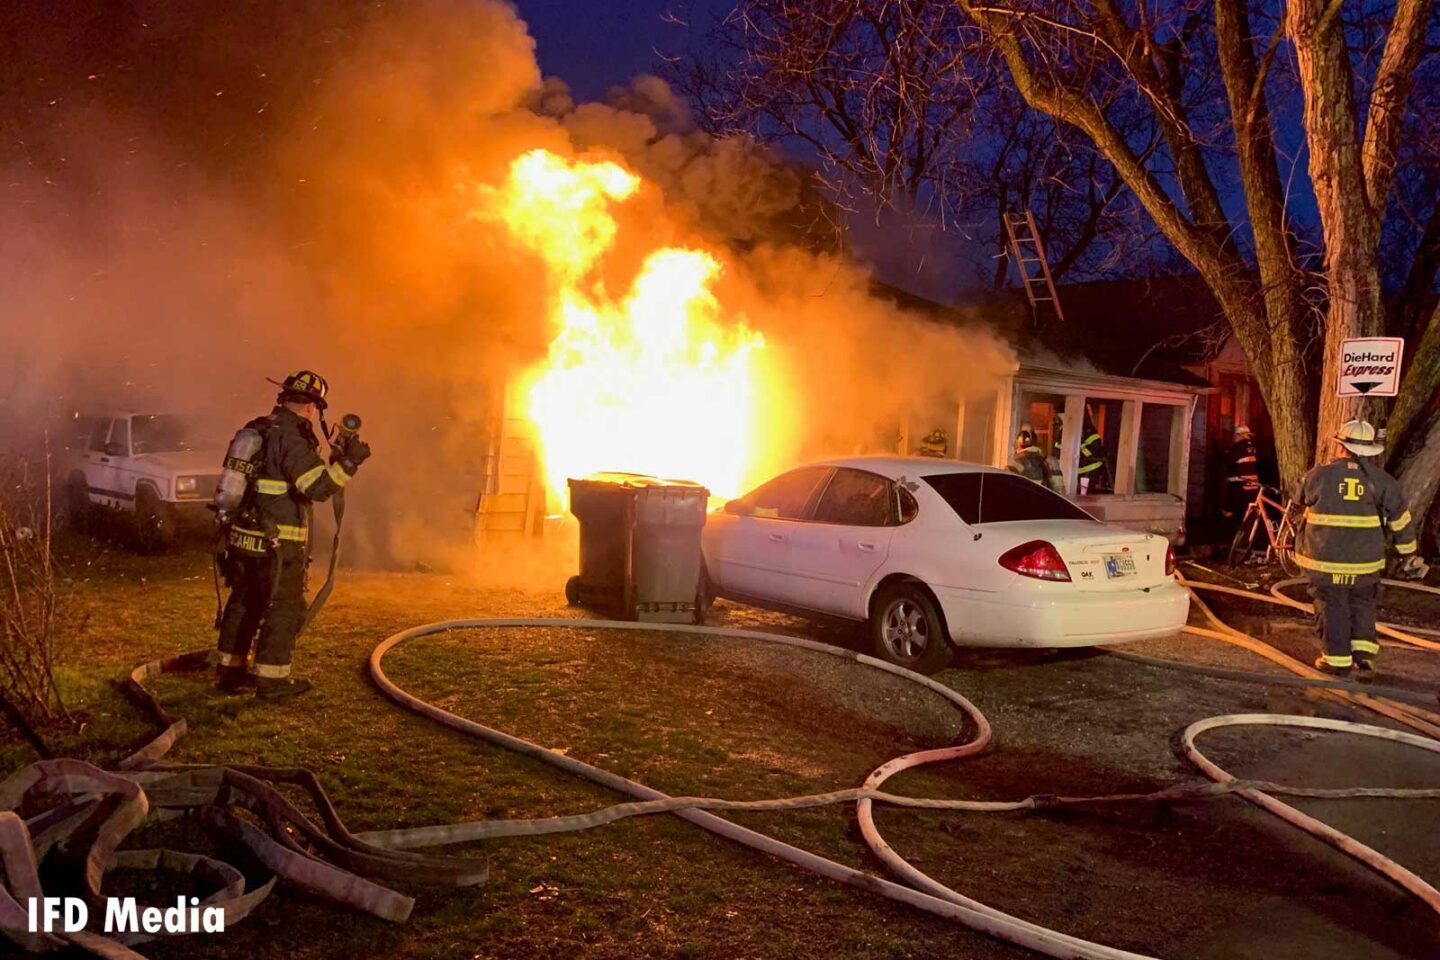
column 1386, row 115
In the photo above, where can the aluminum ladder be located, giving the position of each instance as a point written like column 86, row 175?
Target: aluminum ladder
column 1027, row 252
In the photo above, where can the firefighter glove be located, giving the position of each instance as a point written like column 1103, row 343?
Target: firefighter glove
column 1414, row 568
column 357, row 451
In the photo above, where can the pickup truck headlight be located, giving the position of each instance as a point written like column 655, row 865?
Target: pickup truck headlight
column 186, row 484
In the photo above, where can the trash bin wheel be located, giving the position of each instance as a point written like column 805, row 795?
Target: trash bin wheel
column 704, row 596
column 572, row 591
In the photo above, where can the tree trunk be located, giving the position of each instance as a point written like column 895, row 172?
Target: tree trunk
column 1285, row 385
column 1351, row 258
column 1419, row 467
column 1284, row 375
column 1422, row 378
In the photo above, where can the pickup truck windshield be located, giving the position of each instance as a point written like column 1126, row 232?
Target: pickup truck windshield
column 157, row 433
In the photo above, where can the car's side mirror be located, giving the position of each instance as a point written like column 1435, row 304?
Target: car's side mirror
column 115, row 449
column 741, row 508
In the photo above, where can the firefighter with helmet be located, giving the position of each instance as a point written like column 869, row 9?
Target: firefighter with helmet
column 1242, row 472
column 267, row 536
column 1094, row 468
column 1029, row 461
column 1350, row 505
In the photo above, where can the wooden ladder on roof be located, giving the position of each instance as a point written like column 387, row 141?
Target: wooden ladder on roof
column 1027, row 252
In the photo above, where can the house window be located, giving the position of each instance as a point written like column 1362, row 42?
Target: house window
column 1099, row 446
column 1154, row 453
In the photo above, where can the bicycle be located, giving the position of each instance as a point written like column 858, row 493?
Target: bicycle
column 1280, row 533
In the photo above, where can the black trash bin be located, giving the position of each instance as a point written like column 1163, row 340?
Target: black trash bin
column 639, row 546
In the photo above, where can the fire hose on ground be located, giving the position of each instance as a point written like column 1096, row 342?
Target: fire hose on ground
column 102, row 807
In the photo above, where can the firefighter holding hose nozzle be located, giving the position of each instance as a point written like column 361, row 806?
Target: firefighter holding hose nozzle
column 273, row 476
column 1350, row 504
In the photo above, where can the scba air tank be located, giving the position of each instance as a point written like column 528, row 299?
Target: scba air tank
column 241, row 464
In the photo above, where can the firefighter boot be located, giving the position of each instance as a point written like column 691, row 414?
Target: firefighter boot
column 272, row 688
column 233, row 680
column 1365, row 652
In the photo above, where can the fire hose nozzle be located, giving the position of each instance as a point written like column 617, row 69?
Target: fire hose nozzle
column 350, row 424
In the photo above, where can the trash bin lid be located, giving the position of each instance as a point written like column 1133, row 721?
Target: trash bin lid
column 631, row 481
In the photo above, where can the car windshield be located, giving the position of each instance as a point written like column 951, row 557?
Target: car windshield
column 158, row 433
column 983, row 497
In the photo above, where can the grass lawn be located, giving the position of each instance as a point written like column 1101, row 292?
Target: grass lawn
column 731, row 719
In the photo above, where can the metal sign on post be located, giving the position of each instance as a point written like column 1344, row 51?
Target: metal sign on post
column 1370, row 367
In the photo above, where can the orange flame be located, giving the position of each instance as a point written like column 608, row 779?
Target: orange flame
column 661, row 379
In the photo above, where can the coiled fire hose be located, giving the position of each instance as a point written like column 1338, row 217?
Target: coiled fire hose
column 327, row 859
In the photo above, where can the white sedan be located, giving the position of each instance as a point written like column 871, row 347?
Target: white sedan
column 928, row 551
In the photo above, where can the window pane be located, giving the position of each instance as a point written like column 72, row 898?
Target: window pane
column 121, row 435
column 787, row 496
column 1152, row 464
column 1001, row 497
column 98, row 435
column 159, row 433
column 857, row 499
column 908, row 507
column 1099, row 445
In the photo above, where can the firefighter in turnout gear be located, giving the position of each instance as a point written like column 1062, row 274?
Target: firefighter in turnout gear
column 1094, row 469
column 1350, row 505
column 1242, row 473
column 268, row 538
column 1029, row 462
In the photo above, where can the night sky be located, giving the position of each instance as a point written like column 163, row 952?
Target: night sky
column 593, row 46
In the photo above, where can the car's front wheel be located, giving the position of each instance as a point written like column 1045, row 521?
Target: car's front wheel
column 906, row 629
column 154, row 526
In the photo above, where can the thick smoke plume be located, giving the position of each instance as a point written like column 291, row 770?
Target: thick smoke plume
column 167, row 248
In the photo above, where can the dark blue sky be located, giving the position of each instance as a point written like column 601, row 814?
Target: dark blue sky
column 594, row 44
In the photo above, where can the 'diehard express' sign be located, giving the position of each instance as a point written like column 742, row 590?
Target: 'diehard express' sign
column 1370, row 367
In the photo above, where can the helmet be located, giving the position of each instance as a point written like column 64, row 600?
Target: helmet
column 1358, row 436
column 1025, row 438
column 1242, row 432
column 305, row 384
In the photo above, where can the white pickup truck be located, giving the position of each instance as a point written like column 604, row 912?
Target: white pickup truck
column 145, row 468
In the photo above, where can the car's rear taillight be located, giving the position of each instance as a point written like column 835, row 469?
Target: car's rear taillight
column 1037, row 559
column 1169, row 560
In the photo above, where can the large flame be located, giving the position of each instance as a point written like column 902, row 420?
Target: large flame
column 659, row 379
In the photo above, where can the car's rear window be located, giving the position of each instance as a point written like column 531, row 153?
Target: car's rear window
column 1001, row 497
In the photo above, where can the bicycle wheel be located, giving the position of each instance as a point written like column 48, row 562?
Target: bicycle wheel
column 1285, row 549
column 1286, row 556
column 1244, row 541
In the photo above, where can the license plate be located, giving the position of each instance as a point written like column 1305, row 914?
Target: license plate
column 1119, row 565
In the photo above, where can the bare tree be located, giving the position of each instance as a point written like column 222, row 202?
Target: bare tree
column 30, row 604
column 889, row 96
column 1052, row 50
column 1024, row 160
column 876, row 88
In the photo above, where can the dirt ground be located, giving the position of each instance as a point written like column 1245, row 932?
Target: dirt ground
column 741, row 719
